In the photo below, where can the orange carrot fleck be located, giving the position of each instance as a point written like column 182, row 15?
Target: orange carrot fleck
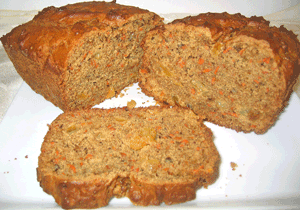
column 267, row 60
column 185, row 141
column 172, row 142
column 256, row 81
column 200, row 61
column 213, row 81
column 56, row 152
column 166, row 169
column 172, row 135
column 52, row 143
column 144, row 71
column 182, row 64
column 158, row 127
column 72, row 168
column 221, row 92
column 123, row 154
column 88, row 156
column 206, row 70
column 193, row 91
column 137, row 169
column 140, row 29
column 243, row 84
column 198, row 148
column 226, row 50
column 158, row 146
column 81, row 163
column 242, row 51
column 217, row 69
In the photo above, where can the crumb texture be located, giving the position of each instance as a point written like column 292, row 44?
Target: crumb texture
column 237, row 72
column 78, row 55
column 151, row 155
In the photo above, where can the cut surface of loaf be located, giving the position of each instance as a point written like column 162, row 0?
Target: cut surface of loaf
column 150, row 155
column 235, row 71
column 78, row 55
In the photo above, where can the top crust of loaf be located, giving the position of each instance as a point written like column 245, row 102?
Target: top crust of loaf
column 284, row 43
column 51, row 35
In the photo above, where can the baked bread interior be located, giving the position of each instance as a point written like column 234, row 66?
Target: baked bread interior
column 78, row 55
column 150, row 155
column 235, row 71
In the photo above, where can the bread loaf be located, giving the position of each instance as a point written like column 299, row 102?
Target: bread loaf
column 235, row 71
column 78, row 55
column 150, row 155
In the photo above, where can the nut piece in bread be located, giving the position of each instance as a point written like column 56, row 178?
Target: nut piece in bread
column 150, row 155
column 235, row 71
column 78, row 55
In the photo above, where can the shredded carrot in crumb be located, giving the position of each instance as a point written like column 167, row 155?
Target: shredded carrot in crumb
column 172, row 135
column 137, row 169
column 267, row 90
column 158, row 127
column 267, row 60
column 182, row 64
column 242, row 51
column 213, row 81
column 200, row 61
column 198, row 148
column 144, row 71
column 217, row 69
column 206, row 70
column 243, row 84
column 56, row 152
column 193, row 91
column 158, row 146
column 172, row 142
column 185, row 141
column 253, row 126
column 81, row 163
column 166, row 169
column 52, row 142
column 226, row 50
column 256, row 81
column 72, row 168
column 221, row 92
column 88, row 156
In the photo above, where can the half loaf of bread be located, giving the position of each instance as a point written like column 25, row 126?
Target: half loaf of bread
column 78, row 55
column 235, row 71
column 150, row 155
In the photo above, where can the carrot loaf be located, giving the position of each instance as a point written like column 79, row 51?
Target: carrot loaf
column 78, row 55
column 235, row 71
column 150, row 155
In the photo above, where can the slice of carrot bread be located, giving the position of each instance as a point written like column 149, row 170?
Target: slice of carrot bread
column 150, row 155
column 235, row 71
column 78, row 55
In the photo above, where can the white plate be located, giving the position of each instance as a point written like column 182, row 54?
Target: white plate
column 267, row 176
